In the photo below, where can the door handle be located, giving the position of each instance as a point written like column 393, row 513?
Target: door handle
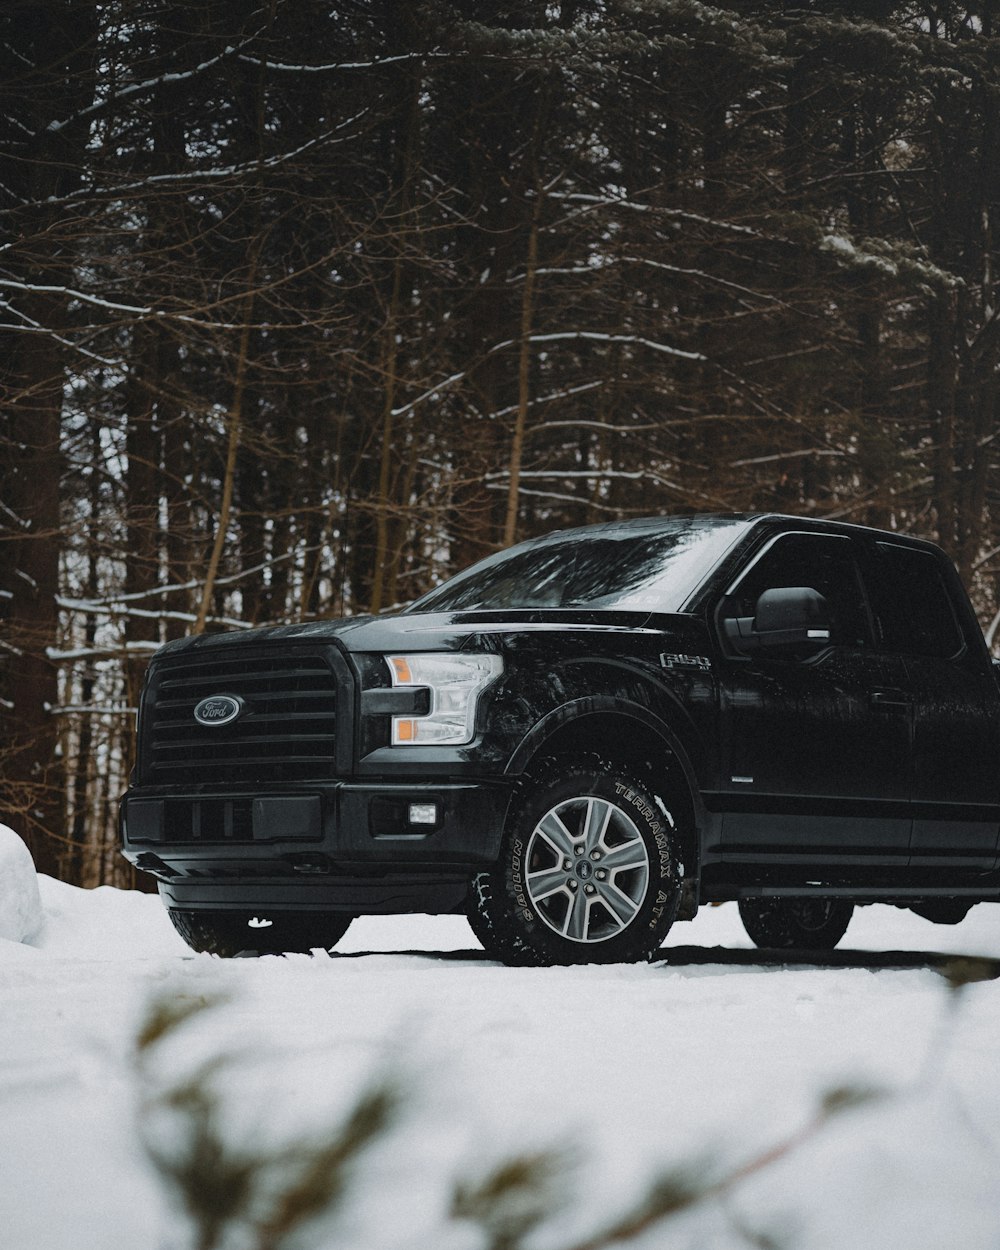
column 890, row 698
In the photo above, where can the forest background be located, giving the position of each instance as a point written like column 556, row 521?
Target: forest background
column 304, row 306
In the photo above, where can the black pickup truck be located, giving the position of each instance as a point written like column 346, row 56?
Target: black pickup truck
column 583, row 739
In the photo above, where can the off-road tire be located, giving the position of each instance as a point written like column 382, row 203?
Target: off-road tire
column 810, row 924
column 609, row 896
column 229, row 933
column 480, row 909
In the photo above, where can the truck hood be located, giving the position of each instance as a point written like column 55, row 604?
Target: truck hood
column 429, row 631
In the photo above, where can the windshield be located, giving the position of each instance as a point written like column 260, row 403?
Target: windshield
column 650, row 566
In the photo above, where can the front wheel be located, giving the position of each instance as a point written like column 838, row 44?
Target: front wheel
column 811, row 924
column 229, row 933
column 588, row 873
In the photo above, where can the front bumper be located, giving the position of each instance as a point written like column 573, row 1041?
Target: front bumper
column 344, row 846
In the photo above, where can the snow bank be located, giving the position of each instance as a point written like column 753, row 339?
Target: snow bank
column 104, row 924
column 41, row 914
column 633, row 1070
column 21, row 914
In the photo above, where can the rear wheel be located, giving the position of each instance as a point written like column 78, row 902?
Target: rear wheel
column 588, row 872
column 227, row 933
column 812, row 924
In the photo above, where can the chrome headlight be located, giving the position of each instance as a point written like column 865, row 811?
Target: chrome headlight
column 455, row 682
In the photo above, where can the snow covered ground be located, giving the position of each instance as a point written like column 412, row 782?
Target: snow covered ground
column 708, row 1064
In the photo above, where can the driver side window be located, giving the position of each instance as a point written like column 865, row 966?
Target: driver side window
column 823, row 562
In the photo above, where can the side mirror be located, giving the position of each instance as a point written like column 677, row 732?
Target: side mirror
column 791, row 615
column 786, row 616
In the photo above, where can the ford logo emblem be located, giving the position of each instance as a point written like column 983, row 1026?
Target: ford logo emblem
column 218, row 709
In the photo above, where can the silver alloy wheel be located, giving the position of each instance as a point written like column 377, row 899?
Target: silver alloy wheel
column 587, row 869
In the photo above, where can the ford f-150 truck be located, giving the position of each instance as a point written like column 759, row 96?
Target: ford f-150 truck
column 583, row 739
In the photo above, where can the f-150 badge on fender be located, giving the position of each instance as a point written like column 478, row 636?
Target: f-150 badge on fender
column 671, row 659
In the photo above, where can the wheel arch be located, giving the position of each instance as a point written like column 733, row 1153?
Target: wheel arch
column 628, row 734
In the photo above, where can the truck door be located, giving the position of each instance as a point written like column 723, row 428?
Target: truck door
column 956, row 711
column 816, row 737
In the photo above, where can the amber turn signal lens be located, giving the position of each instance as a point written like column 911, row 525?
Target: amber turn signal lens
column 402, row 670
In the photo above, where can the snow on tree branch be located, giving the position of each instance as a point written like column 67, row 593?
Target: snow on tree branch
column 593, row 336
column 140, row 88
column 892, row 260
column 60, row 655
column 118, row 608
column 193, row 178
column 304, row 68
column 590, row 203
column 141, row 312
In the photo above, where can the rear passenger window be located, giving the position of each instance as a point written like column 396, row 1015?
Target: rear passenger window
column 915, row 610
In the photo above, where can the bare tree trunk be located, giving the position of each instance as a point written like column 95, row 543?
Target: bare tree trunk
column 233, row 424
column 383, row 501
column 33, row 801
column 390, row 367
column 54, row 50
column 142, row 505
column 523, row 375
column 402, row 530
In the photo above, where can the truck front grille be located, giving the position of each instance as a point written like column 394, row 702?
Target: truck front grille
column 286, row 731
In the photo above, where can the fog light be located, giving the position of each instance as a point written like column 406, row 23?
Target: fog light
column 422, row 814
